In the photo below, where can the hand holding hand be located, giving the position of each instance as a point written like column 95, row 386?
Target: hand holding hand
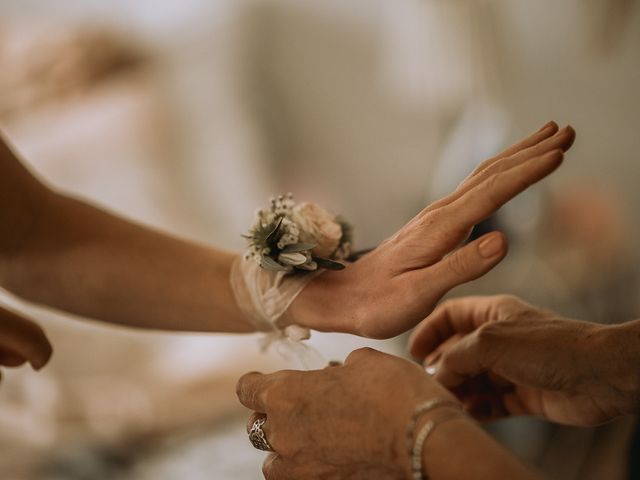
column 504, row 357
column 398, row 284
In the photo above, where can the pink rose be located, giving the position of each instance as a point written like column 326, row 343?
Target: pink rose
column 319, row 227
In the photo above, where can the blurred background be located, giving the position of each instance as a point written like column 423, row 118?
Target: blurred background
column 188, row 114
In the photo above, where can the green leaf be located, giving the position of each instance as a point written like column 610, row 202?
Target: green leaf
column 271, row 239
column 270, row 264
column 298, row 247
column 328, row 264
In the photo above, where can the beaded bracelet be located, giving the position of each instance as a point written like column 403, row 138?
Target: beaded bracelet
column 416, row 444
column 425, row 431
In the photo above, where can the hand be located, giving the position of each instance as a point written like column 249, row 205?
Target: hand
column 398, row 284
column 340, row 422
column 504, row 357
column 22, row 341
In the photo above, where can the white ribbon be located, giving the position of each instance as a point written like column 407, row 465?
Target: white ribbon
column 264, row 296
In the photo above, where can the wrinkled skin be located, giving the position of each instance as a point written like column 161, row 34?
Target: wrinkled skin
column 504, row 357
column 343, row 422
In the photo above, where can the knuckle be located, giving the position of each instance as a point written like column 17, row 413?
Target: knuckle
column 507, row 299
column 359, row 354
column 509, row 306
column 241, row 385
column 489, row 187
column 487, row 335
column 458, row 264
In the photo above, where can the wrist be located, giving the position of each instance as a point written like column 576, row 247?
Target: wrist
column 318, row 307
column 619, row 347
column 426, row 416
column 453, row 443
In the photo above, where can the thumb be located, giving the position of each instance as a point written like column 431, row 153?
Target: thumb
column 467, row 263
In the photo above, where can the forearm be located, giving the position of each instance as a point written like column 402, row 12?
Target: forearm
column 21, row 199
column 460, row 449
column 86, row 261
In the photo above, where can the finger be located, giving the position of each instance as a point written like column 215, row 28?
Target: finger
column 277, row 468
column 464, row 265
column 266, row 427
column 562, row 140
column 253, row 418
column 434, row 357
column 513, row 405
column 455, row 316
column 547, row 130
column 250, row 391
column 23, row 338
column 461, row 362
column 477, row 204
column 548, row 139
column 361, row 354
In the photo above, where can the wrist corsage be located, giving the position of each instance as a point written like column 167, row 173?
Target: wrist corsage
column 288, row 245
column 290, row 237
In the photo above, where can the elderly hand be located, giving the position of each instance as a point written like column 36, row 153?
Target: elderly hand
column 22, row 341
column 351, row 422
column 341, row 422
column 504, row 357
column 394, row 287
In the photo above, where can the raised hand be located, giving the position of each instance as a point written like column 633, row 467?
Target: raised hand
column 504, row 357
column 398, row 284
column 22, row 341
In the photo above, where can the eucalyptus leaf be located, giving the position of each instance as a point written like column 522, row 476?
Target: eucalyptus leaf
column 271, row 238
column 299, row 247
column 328, row 264
column 270, row 264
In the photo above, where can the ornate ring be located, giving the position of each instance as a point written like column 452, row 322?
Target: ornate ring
column 257, row 436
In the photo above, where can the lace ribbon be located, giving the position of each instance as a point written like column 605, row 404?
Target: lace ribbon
column 264, row 296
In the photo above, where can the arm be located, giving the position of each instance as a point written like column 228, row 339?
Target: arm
column 505, row 357
column 65, row 253
column 341, row 422
column 461, row 449
column 70, row 255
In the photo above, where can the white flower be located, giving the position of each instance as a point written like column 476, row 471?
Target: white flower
column 317, row 226
column 293, row 259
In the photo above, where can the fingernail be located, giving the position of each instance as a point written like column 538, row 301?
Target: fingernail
column 430, row 369
column 490, row 247
column 546, row 125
